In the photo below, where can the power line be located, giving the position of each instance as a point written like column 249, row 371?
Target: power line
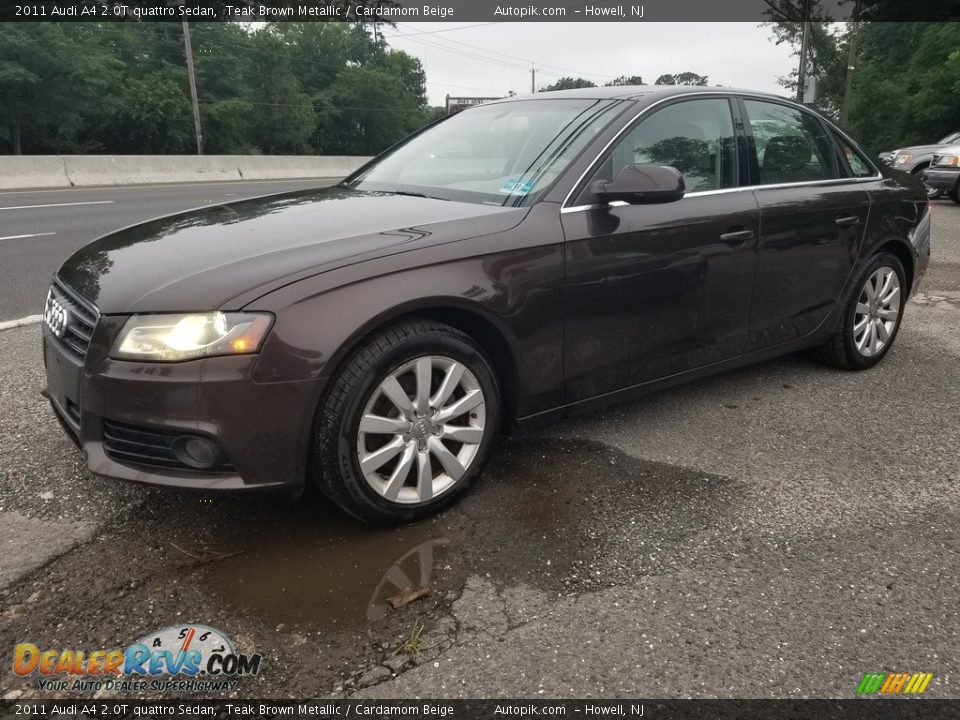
column 505, row 55
column 444, row 30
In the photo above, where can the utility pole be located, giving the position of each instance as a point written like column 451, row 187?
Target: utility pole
column 533, row 78
column 851, row 65
column 802, row 72
column 193, row 87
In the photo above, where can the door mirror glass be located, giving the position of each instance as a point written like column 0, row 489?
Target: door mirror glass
column 642, row 184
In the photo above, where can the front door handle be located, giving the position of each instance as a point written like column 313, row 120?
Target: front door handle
column 848, row 220
column 736, row 237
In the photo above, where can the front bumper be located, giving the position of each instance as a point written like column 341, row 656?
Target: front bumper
column 945, row 179
column 263, row 429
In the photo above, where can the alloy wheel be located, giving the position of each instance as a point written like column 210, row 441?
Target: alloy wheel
column 878, row 308
column 421, row 429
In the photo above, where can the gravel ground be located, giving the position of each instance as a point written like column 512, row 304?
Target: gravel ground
column 772, row 532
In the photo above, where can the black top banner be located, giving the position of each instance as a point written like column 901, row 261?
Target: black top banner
column 386, row 11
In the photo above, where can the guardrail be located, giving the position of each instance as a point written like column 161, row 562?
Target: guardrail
column 21, row 172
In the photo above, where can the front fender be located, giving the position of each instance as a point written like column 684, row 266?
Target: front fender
column 513, row 281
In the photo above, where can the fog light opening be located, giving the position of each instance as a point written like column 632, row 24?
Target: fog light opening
column 197, row 452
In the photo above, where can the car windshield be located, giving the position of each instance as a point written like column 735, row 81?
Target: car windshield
column 498, row 154
column 951, row 138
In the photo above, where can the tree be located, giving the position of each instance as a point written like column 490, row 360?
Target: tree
column 366, row 110
column 52, row 76
column 625, row 80
column 273, row 87
column 904, row 96
column 568, row 83
column 826, row 60
column 684, row 78
column 284, row 115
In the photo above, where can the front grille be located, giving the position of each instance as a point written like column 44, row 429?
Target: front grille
column 81, row 319
column 132, row 444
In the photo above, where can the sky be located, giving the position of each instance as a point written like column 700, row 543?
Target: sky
column 491, row 59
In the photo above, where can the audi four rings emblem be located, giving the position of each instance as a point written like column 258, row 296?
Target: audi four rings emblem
column 56, row 316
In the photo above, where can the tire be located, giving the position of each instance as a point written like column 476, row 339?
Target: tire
column 417, row 440
column 849, row 348
column 955, row 196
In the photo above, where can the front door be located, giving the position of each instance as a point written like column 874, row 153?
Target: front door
column 654, row 290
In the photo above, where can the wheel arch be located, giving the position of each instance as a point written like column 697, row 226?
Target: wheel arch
column 471, row 319
column 904, row 253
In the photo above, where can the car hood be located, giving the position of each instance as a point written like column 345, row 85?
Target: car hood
column 200, row 260
column 919, row 149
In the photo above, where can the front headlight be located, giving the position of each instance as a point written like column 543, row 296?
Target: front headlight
column 903, row 159
column 949, row 161
column 174, row 338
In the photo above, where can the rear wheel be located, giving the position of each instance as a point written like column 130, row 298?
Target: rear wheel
column 955, row 196
column 408, row 423
column 873, row 308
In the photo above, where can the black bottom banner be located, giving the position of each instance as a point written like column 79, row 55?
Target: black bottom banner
column 587, row 709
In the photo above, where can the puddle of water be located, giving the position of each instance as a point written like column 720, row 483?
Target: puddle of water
column 322, row 569
column 546, row 511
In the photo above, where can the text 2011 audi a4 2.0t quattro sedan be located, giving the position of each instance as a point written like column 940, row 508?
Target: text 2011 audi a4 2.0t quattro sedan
column 503, row 266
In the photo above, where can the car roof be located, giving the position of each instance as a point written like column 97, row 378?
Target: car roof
column 637, row 92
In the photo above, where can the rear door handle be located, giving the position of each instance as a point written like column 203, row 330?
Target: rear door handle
column 848, row 220
column 737, row 237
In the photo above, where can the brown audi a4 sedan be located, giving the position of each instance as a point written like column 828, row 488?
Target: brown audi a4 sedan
column 504, row 266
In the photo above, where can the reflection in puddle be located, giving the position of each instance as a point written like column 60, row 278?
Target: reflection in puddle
column 413, row 570
column 321, row 569
column 557, row 514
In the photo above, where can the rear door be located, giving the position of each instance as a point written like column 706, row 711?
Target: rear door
column 812, row 219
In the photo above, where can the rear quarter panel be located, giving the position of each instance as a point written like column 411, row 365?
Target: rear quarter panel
column 899, row 214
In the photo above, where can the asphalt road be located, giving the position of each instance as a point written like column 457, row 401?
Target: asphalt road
column 773, row 532
column 39, row 229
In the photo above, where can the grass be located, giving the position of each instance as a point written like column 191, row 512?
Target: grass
column 413, row 645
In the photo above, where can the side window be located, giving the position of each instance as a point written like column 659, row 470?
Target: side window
column 694, row 136
column 791, row 144
column 857, row 163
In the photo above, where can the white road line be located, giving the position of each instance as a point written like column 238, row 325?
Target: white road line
column 18, row 237
column 31, row 207
column 29, row 320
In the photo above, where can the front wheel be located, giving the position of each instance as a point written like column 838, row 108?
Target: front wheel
column 872, row 310
column 408, row 423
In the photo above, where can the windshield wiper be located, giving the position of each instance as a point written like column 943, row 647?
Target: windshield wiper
column 415, row 194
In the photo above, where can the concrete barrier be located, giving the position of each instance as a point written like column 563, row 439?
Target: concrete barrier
column 56, row 171
column 29, row 171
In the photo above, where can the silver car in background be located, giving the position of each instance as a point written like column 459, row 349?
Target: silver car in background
column 917, row 158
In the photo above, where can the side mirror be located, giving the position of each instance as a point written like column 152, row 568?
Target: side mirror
column 641, row 185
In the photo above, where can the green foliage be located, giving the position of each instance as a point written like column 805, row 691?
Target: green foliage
column 906, row 97
column 906, row 86
column 625, row 80
column 568, row 83
column 275, row 88
column 684, row 78
column 41, row 65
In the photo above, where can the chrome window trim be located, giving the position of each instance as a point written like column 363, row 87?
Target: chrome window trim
column 564, row 208
column 724, row 191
